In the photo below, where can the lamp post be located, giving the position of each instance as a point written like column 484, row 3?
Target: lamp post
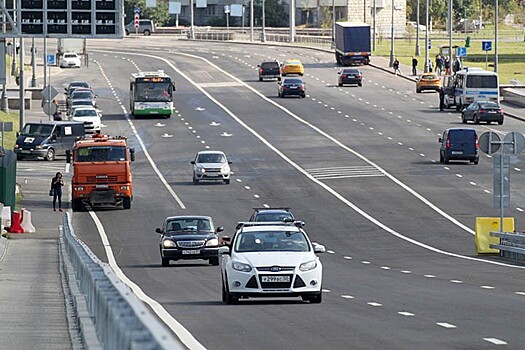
column 333, row 23
column 4, row 103
column 426, row 38
column 33, row 62
column 496, row 37
column 192, row 27
column 418, row 50
column 374, row 25
column 251, row 20
column 450, row 50
column 263, row 34
column 292, row 21
column 392, row 58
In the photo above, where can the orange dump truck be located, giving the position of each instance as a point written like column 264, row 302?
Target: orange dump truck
column 101, row 172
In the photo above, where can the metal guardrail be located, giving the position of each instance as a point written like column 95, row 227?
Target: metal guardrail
column 121, row 320
column 511, row 245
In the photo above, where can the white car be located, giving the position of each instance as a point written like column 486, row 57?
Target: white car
column 70, row 59
column 268, row 259
column 89, row 116
column 211, row 165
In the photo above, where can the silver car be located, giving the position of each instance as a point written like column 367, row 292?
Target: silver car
column 211, row 165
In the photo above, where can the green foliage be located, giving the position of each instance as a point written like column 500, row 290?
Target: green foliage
column 273, row 11
column 159, row 14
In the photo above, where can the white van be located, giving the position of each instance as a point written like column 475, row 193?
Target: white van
column 471, row 84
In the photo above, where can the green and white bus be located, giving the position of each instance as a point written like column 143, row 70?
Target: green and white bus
column 151, row 94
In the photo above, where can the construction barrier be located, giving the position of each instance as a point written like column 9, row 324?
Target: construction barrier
column 26, row 222
column 485, row 225
column 6, row 216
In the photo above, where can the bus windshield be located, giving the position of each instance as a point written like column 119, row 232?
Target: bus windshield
column 482, row 81
column 150, row 92
column 101, row 154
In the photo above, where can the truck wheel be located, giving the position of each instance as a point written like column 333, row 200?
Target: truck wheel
column 127, row 203
column 76, row 205
column 50, row 155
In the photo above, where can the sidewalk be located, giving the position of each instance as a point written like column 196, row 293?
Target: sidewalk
column 32, row 300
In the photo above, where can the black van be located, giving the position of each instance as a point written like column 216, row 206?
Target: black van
column 459, row 144
column 47, row 139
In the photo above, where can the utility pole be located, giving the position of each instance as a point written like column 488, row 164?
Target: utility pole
column 263, row 34
column 450, row 49
column 426, row 38
column 22, row 100
column 374, row 25
column 251, row 20
column 496, row 36
column 392, row 57
column 292, row 21
column 4, row 105
column 33, row 62
column 418, row 50
column 192, row 27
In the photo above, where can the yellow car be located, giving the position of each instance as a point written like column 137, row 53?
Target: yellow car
column 292, row 66
column 428, row 81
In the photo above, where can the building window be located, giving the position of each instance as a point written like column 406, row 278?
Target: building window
column 211, row 10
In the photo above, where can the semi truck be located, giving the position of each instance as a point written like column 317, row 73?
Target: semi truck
column 352, row 43
column 101, row 172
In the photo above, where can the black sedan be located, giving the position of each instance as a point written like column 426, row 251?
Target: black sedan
column 189, row 237
column 291, row 86
column 483, row 111
column 350, row 76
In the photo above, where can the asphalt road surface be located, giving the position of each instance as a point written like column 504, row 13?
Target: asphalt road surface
column 359, row 165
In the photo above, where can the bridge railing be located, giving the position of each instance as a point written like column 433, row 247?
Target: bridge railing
column 120, row 319
column 511, row 245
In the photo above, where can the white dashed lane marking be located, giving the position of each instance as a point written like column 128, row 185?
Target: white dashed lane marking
column 405, row 313
column 446, row 325
column 495, row 341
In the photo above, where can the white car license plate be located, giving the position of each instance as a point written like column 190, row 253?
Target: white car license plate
column 457, row 152
column 188, row 252
column 275, row 279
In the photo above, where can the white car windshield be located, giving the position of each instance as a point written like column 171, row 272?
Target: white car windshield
column 211, row 158
column 85, row 113
column 271, row 241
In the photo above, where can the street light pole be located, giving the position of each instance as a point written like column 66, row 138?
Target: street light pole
column 251, row 20
column 450, row 50
column 192, row 27
column 426, row 38
column 4, row 105
column 374, row 25
column 418, row 50
column 333, row 23
column 392, row 58
column 33, row 62
column 496, row 37
column 292, row 21
column 263, row 34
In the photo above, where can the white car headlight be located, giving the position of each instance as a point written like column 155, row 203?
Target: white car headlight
column 201, row 170
column 239, row 266
column 168, row 244
column 225, row 169
column 307, row 266
column 212, row 242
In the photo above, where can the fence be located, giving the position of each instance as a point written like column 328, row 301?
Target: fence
column 511, row 245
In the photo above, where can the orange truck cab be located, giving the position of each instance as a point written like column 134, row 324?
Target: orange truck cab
column 101, row 172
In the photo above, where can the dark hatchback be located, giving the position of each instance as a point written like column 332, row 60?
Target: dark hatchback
column 189, row 238
column 459, row 144
column 350, row 76
column 483, row 111
column 291, row 87
column 269, row 70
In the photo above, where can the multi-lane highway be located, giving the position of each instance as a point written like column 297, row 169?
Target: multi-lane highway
column 358, row 165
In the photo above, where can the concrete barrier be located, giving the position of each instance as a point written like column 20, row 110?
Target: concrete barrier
column 6, row 216
column 514, row 96
column 26, row 222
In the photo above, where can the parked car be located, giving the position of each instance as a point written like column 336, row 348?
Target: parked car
column 449, row 91
column 483, row 111
column 291, row 86
column 89, row 116
column 76, row 85
column 189, row 237
column 459, row 144
column 350, row 76
column 146, row 27
column 70, row 60
column 292, row 66
column 211, row 165
column 82, row 94
column 78, row 103
column 428, row 81
column 269, row 70
column 270, row 260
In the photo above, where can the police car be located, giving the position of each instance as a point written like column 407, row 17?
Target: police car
column 269, row 259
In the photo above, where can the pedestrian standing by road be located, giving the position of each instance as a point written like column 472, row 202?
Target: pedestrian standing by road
column 414, row 65
column 447, row 66
column 396, row 67
column 439, row 64
column 56, row 190
column 457, row 65
column 441, row 100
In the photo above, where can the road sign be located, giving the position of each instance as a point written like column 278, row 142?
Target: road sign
column 51, row 60
column 136, row 10
column 489, row 142
column 49, row 108
column 137, row 21
column 514, row 143
column 6, row 126
column 461, row 52
column 49, row 93
column 486, row 45
column 227, row 9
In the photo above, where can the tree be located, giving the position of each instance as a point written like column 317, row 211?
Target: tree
column 158, row 14
column 273, row 11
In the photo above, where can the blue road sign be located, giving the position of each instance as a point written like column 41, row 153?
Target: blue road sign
column 51, row 60
column 461, row 52
column 136, row 10
column 486, row 45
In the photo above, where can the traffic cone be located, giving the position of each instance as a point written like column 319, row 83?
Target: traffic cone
column 15, row 223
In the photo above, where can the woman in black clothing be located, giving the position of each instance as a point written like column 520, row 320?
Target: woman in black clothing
column 56, row 190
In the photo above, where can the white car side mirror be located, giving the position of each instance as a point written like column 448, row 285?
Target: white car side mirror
column 224, row 250
column 319, row 248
